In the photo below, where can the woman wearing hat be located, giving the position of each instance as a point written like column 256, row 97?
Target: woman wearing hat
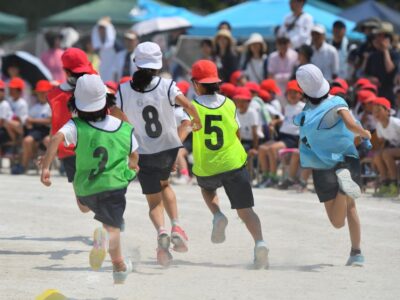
column 255, row 59
column 220, row 159
column 225, row 55
column 335, row 165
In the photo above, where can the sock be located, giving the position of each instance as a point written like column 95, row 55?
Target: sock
column 355, row 252
column 161, row 230
column 185, row 172
column 261, row 243
column 218, row 214
column 174, row 222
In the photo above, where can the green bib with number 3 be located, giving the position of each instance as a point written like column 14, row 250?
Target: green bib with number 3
column 216, row 147
column 102, row 159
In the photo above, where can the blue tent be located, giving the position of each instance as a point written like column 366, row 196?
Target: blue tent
column 263, row 16
column 370, row 8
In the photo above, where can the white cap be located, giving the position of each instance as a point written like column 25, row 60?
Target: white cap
column 148, row 56
column 318, row 29
column 312, row 81
column 90, row 93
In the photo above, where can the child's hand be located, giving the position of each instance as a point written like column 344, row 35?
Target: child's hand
column 253, row 152
column 133, row 166
column 196, row 124
column 366, row 134
column 45, row 177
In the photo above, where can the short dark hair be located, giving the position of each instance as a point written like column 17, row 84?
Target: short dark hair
column 306, row 50
column 210, row 88
column 339, row 24
column 224, row 23
column 316, row 101
column 207, row 42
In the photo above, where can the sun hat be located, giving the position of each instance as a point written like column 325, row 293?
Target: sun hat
column 76, row 61
column 184, row 86
column 270, row 85
column 242, row 93
column 256, row 38
column 228, row 89
column 16, row 83
column 43, row 86
column 148, row 55
column 292, row 85
column 225, row 33
column 384, row 27
column 130, row 35
column 318, row 29
column 382, row 102
column 90, row 93
column 205, row 71
column 312, row 81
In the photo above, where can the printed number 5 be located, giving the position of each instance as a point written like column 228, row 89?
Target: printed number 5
column 209, row 129
column 99, row 152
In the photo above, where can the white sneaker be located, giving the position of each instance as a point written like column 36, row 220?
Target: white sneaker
column 99, row 250
column 218, row 232
column 182, row 180
column 120, row 277
column 261, row 256
column 347, row 184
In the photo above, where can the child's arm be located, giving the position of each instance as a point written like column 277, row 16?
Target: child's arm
column 255, row 137
column 184, row 129
column 133, row 161
column 49, row 157
column 191, row 110
column 352, row 125
column 118, row 113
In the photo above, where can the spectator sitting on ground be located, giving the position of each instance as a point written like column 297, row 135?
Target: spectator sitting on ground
column 225, row 55
column 19, row 107
column 288, row 136
column 297, row 25
column 282, row 62
column 227, row 89
column 325, row 56
column 37, row 127
column 6, row 115
column 387, row 128
column 255, row 58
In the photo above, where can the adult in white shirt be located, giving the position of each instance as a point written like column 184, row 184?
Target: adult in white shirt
column 341, row 43
column 124, row 64
column 297, row 25
column 325, row 56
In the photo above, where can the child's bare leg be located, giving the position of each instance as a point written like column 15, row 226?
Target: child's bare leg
column 273, row 156
column 354, row 224
column 156, row 210
column 181, row 162
column 114, row 248
column 337, row 210
column 294, row 165
column 212, row 201
column 250, row 218
column 262, row 157
column 389, row 158
column 27, row 150
column 169, row 200
column 380, row 166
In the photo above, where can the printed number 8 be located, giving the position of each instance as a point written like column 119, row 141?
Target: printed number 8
column 153, row 126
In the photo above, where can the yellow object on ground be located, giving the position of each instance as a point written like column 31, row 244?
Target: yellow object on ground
column 51, row 295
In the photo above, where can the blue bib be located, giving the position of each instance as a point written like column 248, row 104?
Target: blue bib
column 323, row 145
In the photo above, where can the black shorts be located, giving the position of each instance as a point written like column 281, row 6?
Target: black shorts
column 155, row 168
column 247, row 145
column 108, row 207
column 326, row 183
column 38, row 133
column 290, row 140
column 69, row 166
column 188, row 143
column 236, row 184
column 4, row 136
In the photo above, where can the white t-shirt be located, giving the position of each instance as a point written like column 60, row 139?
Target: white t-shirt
column 40, row 111
column 327, row 59
column 180, row 115
column 301, row 32
column 110, row 123
column 291, row 111
column 6, row 112
column 20, row 109
column 152, row 114
column 391, row 133
column 247, row 120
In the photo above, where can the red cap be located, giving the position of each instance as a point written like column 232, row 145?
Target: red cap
column 365, row 96
column 43, row 86
column 112, row 86
column 235, row 76
column 270, row 86
column 184, row 86
column 228, row 89
column 292, row 85
column 242, row 93
column 205, row 71
column 341, row 82
column 2, row 85
column 383, row 102
column 265, row 96
column 369, row 86
column 125, row 79
column 337, row 90
column 360, row 82
column 253, row 86
column 76, row 61
column 16, row 83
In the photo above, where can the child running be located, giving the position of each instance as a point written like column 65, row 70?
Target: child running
column 102, row 146
column 220, row 159
column 148, row 101
column 327, row 132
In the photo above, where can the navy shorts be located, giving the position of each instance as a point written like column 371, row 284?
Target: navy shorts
column 290, row 140
column 236, row 184
column 69, row 167
column 38, row 133
column 4, row 136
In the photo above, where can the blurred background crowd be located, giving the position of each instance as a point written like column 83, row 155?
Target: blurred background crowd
column 257, row 56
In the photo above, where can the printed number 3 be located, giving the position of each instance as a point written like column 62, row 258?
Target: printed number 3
column 153, row 126
column 99, row 152
column 209, row 129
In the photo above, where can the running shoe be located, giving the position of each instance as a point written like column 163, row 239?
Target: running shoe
column 182, row 180
column 347, row 184
column 219, row 225
column 164, row 257
column 120, row 276
column 356, row 260
column 392, row 191
column 179, row 239
column 382, row 190
column 286, row 184
column 99, row 250
column 261, row 256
